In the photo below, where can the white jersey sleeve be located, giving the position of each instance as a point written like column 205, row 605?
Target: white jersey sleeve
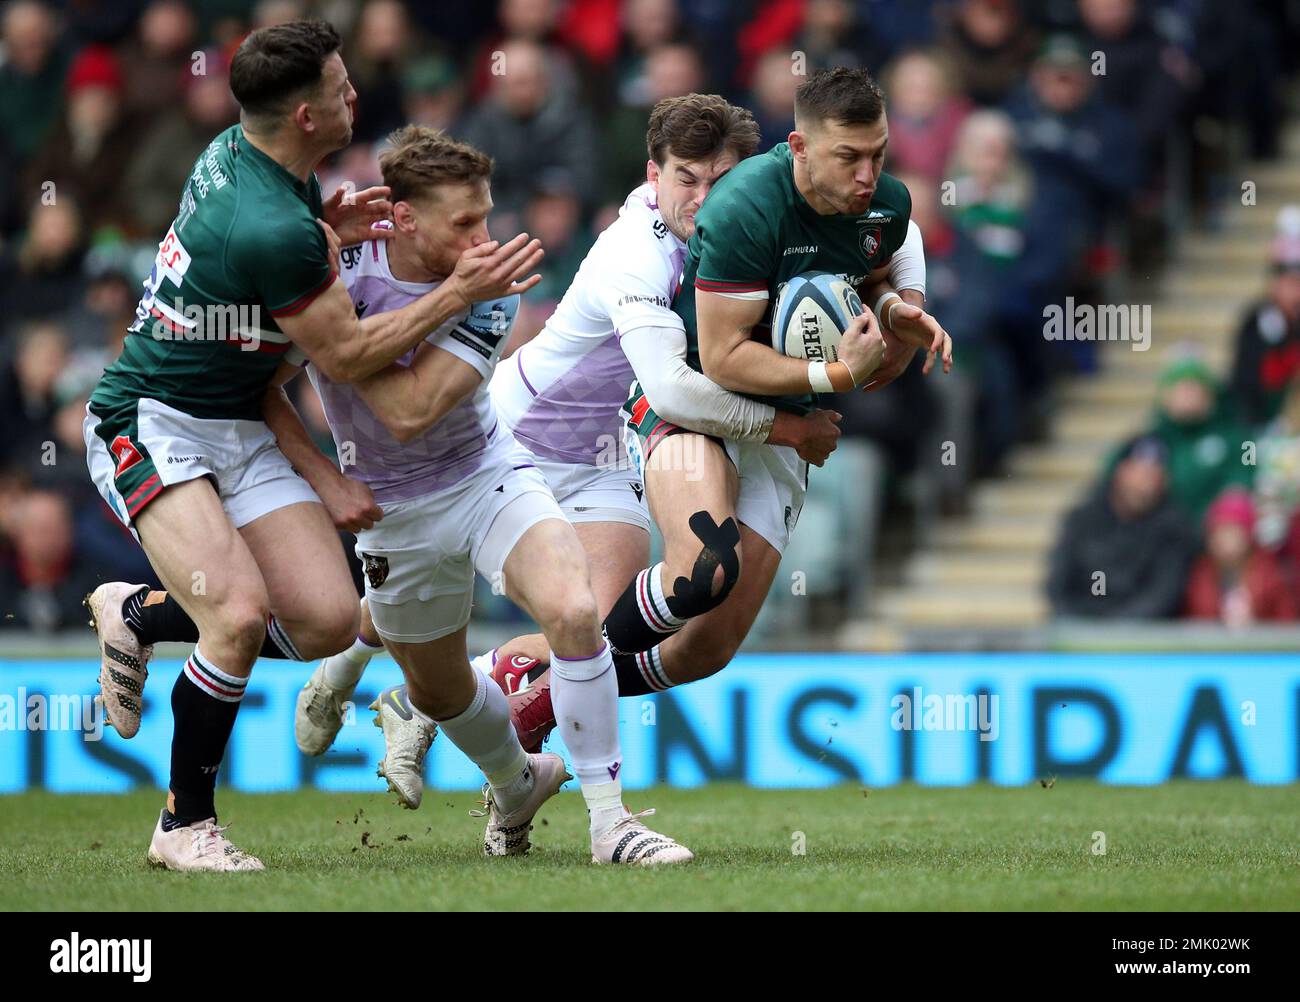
column 560, row 394
column 637, row 287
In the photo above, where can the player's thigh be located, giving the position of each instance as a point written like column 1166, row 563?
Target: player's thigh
column 615, row 551
column 546, row 574
column 688, row 473
column 202, row 561
column 707, row 642
column 438, row 676
column 307, row 580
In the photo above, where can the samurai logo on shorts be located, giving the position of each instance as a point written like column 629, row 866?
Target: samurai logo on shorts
column 376, row 569
column 869, row 239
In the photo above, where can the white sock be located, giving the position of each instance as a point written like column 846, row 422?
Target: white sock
column 344, row 671
column 484, row 733
column 585, row 695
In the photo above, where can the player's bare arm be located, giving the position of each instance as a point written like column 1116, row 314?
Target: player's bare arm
column 733, row 360
column 408, row 399
column 349, row 502
column 347, row 349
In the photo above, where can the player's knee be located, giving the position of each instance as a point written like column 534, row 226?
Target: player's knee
column 572, row 621
column 337, row 627
column 242, row 622
column 706, row 583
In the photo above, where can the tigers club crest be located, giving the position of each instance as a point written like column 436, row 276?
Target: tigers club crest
column 376, row 569
column 869, row 241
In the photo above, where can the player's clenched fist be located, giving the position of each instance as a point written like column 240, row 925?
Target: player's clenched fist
column 493, row 269
column 350, row 503
column 820, row 434
column 862, row 347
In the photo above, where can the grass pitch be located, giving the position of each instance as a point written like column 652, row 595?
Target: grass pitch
column 1183, row 846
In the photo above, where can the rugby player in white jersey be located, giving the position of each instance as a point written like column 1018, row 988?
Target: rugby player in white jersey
column 459, row 494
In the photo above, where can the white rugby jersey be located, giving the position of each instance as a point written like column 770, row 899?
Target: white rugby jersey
column 560, row 394
column 451, row 449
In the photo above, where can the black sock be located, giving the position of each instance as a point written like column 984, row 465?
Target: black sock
column 170, row 820
column 632, row 680
column 640, row 618
column 205, row 702
column 154, row 620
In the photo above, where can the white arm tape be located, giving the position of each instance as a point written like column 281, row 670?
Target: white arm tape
column 889, row 298
column 818, row 379
column 688, row 398
column 907, row 267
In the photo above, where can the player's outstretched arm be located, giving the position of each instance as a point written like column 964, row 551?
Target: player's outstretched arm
column 408, row 399
column 734, row 361
column 349, row 502
column 346, row 349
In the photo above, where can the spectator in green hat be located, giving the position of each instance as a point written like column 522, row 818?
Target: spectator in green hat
column 1196, row 422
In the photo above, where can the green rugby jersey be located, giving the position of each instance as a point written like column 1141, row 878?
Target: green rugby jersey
column 244, row 249
column 755, row 232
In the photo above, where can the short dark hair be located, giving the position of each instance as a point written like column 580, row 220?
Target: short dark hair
column 847, row 96
column 274, row 65
column 419, row 158
column 699, row 127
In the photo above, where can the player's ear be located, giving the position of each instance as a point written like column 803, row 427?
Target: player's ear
column 303, row 119
column 404, row 217
column 798, row 143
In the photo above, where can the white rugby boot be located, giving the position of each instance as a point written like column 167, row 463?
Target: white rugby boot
column 406, row 741
column 200, row 846
column 507, row 834
column 629, row 842
column 124, row 660
column 319, row 713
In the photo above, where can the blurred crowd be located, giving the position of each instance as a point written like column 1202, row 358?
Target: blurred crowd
column 1199, row 516
column 1051, row 147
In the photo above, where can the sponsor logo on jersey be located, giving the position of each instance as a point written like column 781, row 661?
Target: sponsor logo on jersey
column 174, row 460
column 652, row 300
column 869, row 240
column 660, row 228
column 805, row 249
column 376, row 568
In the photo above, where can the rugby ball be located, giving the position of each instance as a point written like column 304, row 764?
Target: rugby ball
column 811, row 314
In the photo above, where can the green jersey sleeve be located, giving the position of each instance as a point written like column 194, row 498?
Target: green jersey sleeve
column 287, row 264
column 736, row 246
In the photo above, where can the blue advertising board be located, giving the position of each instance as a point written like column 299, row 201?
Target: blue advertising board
column 771, row 720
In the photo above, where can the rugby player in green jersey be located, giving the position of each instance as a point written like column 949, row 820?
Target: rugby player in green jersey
column 176, row 430
column 820, row 202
